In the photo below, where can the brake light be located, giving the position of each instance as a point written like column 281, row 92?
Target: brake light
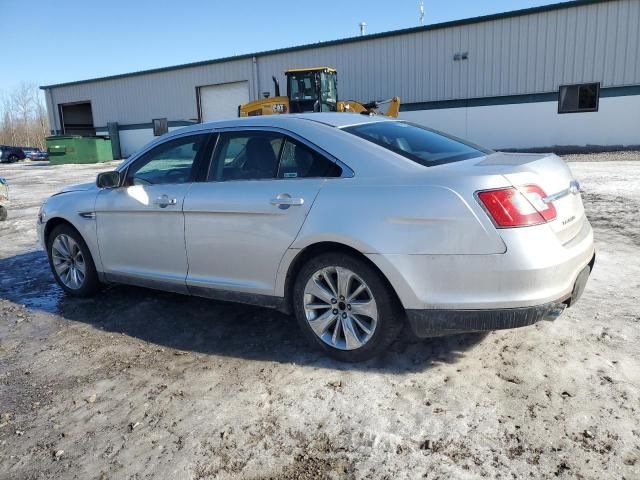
column 517, row 207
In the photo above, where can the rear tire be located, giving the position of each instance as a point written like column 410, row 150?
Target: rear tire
column 345, row 307
column 13, row 158
column 71, row 262
column 3, row 213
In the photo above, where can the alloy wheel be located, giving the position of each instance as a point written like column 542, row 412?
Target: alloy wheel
column 340, row 308
column 68, row 261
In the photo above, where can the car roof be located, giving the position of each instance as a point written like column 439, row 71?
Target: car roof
column 322, row 129
column 333, row 119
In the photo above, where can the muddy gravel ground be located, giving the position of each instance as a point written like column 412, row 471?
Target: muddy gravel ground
column 139, row 384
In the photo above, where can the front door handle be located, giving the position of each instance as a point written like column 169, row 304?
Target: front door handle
column 284, row 201
column 164, row 201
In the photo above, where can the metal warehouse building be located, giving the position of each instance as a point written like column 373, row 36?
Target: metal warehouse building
column 563, row 75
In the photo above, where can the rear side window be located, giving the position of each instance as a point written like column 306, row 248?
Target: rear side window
column 297, row 161
column 263, row 155
column 247, row 156
column 422, row 145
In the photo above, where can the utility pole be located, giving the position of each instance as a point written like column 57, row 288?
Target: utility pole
column 421, row 8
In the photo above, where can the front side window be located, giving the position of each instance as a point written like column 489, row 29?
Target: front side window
column 298, row 161
column 579, row 98
column 420, row 144
column 169, row 162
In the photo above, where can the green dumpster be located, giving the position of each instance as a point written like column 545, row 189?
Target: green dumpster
column 76, row 149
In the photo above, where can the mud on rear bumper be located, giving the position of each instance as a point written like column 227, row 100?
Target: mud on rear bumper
column 429, row 323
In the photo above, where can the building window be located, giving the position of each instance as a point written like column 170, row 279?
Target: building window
column 579, row 98
column 160, row 126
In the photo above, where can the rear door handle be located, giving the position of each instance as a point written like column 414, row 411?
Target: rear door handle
column 284, row 200
column 164, row 201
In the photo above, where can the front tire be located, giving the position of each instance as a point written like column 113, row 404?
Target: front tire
column 345, row 307
column 13, row 158
column 71, row 262
column 3, row 213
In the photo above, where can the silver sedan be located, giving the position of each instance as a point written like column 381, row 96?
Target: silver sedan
column 357, row 225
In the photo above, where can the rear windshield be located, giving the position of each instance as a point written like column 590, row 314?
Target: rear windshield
column 417, row 143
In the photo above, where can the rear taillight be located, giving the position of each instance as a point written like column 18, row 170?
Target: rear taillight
column 517, row 207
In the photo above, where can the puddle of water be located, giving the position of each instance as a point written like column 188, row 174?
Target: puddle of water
column 27, row 280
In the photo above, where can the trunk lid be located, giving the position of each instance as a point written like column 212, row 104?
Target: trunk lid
column 552, row 174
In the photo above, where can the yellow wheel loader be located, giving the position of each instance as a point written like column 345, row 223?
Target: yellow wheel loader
column 313, row 90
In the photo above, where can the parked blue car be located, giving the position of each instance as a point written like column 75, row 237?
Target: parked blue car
column 36, row 154
column 11, row 154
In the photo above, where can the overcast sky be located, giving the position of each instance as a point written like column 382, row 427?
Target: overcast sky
column 47, row 41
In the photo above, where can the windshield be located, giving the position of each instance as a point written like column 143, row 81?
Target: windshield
column 420, row 144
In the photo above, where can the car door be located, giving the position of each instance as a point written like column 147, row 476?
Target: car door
column 140, row 225
column 239, row 223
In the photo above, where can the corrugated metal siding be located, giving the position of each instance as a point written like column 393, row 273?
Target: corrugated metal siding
column 519, row 55
column 141, row 98
column 513, row 56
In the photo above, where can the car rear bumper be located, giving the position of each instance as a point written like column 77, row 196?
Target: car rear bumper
column 434, row 322
column 429, row 323
column 535, row 270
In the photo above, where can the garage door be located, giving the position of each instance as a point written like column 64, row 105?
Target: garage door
column 221, row 101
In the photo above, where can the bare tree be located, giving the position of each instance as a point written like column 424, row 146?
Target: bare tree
column 23, row 117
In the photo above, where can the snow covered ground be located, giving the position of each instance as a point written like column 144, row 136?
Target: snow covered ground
column 143, row 384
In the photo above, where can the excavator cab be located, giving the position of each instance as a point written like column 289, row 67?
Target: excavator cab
column 312, row 90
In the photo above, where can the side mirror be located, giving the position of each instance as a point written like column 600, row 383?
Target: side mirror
column 108, row 179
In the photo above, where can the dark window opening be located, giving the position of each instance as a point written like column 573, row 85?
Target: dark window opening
column 579, row 98
column 77, row 119
column 160, row 126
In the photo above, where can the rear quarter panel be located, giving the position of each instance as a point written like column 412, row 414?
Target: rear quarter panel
column 406, row 217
